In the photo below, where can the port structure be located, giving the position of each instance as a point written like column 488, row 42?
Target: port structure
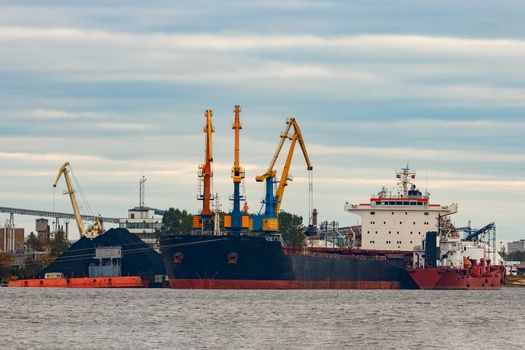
column 91, row 231
column 237, row 220
column 268, row 221
column 204, row 221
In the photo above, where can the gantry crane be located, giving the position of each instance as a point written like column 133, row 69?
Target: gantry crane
column 268, row 222
column 204, row 221
column 91, row 231
column 237, row 220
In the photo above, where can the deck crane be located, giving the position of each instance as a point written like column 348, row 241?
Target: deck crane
column 268, row 221
column 91, row 231
column 237, row 220
column 204, row 221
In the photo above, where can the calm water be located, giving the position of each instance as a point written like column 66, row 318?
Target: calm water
column 185, row 319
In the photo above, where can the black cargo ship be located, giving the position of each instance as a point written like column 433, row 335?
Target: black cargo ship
column 262, row 262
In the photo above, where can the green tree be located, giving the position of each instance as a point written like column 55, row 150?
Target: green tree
column 291, row 227
column 31, row 268
column 176, row 222
column 33, row 242
column 59, row 244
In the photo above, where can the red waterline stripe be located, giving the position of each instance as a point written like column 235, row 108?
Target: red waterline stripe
column 280, row 284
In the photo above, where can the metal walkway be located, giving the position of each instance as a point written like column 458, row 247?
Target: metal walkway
column 52, row 214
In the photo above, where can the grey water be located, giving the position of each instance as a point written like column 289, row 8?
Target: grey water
column 299, row 319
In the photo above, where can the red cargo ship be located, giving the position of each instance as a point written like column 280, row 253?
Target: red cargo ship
column 489, row 277
column 444, row 265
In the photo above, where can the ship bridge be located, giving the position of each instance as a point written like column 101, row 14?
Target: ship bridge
column 398, row 221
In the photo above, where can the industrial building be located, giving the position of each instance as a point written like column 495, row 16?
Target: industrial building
column 11, row 239
column 516, row 246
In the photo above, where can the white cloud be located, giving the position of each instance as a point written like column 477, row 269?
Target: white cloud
column 52, row 114
column 122, row 126
column 419, row 154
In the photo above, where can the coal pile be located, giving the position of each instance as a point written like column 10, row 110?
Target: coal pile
column 138, row 259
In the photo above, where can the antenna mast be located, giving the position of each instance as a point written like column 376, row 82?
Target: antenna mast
column 142, row 190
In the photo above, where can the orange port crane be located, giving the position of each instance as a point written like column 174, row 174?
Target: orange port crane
column 268, row 221
column 204, row 221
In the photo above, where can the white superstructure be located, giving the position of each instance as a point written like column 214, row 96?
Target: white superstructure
column 398, row 222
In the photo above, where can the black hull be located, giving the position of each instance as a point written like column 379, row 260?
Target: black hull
column 202, row 261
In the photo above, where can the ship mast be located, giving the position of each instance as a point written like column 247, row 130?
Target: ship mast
column 404, row 176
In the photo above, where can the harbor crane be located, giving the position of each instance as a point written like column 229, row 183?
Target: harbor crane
column 268, row 222
column 237, row 220
column 91, row 231
column 204, row 221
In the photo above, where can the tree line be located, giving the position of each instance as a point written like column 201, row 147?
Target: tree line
column 178, row 222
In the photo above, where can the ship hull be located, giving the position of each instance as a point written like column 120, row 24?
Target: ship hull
column 453, row 278
column 81, row 282
column 242, row 262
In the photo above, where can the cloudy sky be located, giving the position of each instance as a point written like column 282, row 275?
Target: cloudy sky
column 119, row 89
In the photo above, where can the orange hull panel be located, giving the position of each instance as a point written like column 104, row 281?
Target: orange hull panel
column 81, row 282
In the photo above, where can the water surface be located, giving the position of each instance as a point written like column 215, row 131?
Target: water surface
column 207, row 319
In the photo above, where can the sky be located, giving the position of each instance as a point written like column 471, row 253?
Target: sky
column 119, row 89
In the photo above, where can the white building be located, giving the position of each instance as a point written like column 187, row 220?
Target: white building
column 143, row 222
column 398, row 222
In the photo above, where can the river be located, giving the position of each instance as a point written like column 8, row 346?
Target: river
column 299, row 319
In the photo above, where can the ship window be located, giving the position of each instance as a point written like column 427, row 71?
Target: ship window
column 376, row 232
column 414, row 222
column 132, row 216
column 378, row 203
column 410, row 232
column 419, row 232
column 413, row 203
column 419, row 203
column 410, row 242
column 397, row 232
column 367, row 231
column 406, row 203
column 372, row 213
column 399, row 203
column 426, row 213
column 391, row 203
column 392, row 213
column 384, row 222
column 389, row 232
column 401, row 223
column 406, row 213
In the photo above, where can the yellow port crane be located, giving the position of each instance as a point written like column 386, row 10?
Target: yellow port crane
column 91, row 231
column 273, row 203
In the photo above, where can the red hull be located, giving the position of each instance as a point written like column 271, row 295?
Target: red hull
column 280, row 284
column 449, row 278
column 82, row 282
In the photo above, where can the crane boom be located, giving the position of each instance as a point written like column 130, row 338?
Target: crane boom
column 206, row 170
column 204, row 221
column 237, row 221
column 71, row 192
column 273, row 203
column 93, row 230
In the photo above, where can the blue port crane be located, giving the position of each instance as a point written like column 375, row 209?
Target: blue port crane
column 268, row 222
column 237, row 220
